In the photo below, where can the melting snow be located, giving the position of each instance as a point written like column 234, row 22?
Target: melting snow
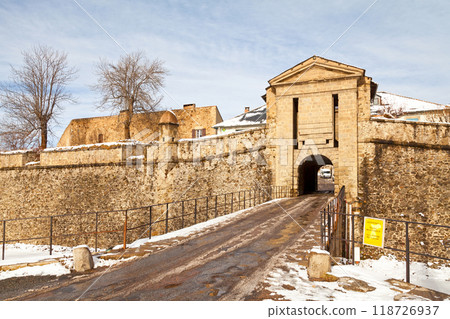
column 374, row 272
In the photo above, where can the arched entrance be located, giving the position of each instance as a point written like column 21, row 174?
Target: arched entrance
column 309, row 180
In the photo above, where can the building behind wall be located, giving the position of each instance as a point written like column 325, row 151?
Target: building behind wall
column 391, row 105
column 193, row 122
column 250, row 119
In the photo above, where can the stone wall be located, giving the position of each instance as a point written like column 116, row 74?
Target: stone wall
column 404, row 168
column 18, row 158
column 116, row 184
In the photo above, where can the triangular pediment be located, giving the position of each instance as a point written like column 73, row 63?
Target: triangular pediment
column 316, row 69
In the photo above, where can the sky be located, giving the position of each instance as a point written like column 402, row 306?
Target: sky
column 224, row 52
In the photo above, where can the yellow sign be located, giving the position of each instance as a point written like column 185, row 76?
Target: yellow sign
column 373, row 232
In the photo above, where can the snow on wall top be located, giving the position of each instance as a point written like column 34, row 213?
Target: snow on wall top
column 254, row 117
column 85, row 146
column 407, row 104
column 16, row 152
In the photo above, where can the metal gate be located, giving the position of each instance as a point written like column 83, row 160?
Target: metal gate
column 333, row 226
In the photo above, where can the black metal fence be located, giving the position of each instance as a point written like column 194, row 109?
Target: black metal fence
column 126, row 225
column 331, row 224
column 340, row 229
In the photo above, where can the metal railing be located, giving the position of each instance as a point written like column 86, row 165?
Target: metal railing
column 338, row 226
column 153, row 219
column 331, row 223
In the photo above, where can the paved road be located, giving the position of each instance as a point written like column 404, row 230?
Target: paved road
column 225, row 263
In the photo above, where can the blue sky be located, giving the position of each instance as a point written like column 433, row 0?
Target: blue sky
column 224, row 52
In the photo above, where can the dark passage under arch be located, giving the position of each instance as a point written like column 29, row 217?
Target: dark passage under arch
column 307, row 173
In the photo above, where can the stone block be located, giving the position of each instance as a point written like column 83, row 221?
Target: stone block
column 353, row 284
column 82, row 259
column 319, row 264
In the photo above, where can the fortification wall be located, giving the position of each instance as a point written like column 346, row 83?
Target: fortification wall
column 18, row 158
column 403, row 174
column 69, row 183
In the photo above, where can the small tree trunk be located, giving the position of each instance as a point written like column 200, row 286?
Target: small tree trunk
column 44, row 133
column 126, row 130
column 127, row 123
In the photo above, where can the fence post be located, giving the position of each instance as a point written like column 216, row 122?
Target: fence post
column 150, row 223
column 353, row 236
column 232, row 199
column 239, row 201
column 225, row 209
column 207, row 207
column 51, row 235
column 215, row 208
column 182, row 214
column 96, row 231
column 329, row 230
column 244, row 199
column 167, row 217
column 407, row 253
column 195, row 212
column 4, row 240
column 321, row 230
column 125, row 226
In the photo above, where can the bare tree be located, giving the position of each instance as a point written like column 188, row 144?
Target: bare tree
column 34, row 96
column 131, row 85
column 442, row 116
column 14, row 136
column 389, row 111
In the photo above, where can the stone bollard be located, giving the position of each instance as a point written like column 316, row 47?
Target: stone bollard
column 319, row 264
column 82, row 258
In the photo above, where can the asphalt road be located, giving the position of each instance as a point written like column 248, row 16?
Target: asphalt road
column 225, row 263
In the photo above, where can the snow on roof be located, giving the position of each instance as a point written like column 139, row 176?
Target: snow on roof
column 251, row 118
column 407, row 104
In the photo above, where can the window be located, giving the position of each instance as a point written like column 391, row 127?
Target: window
column 198, row 133
column 295, row 122
column 335, row 119
column 376, row 101
column 100, row 138
column 336, row 101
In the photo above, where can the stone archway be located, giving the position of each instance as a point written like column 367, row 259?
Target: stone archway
column 308, row 173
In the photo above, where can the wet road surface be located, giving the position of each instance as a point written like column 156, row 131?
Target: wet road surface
column 225, row 263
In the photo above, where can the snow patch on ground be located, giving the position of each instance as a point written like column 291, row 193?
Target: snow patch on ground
column 388, row 267
column 374, row 272
column 55, row 269
column 25, row 253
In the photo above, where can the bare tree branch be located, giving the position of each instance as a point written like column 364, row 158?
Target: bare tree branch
column 442, row 116
column 34, row 97
column 131, row 85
